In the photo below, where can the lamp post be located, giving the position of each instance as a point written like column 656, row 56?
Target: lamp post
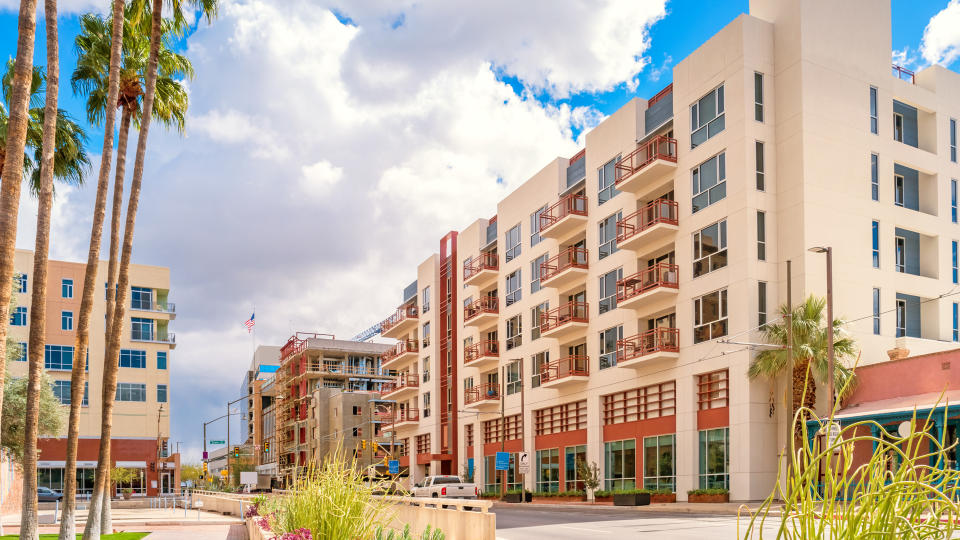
column 830, row 359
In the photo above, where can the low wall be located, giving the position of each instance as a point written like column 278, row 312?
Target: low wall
column 224, row 503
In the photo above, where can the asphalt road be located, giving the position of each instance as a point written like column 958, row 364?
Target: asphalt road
column 572, row 523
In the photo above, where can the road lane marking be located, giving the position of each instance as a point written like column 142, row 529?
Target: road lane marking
column 582, row 529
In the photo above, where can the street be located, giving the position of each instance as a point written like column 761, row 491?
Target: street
column 573, row 523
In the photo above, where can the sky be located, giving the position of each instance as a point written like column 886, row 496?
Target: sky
column 331, row 144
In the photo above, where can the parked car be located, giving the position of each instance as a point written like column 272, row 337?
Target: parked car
column 448, row 487
column 45, row 494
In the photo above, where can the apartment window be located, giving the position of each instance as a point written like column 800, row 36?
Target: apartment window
column 161, row 393
column 953, row 140
column 426, row 404
column 131, row 392
column 608, row 346
column 161, row 359
column 20, row 283
column 875, row 232
column 898, row 127
column 709, row 182
column 425, row 300
column 874, row 122
column 131, row 358
column 512, row 241
column 66, row 288
column 715, row 458
column 574, row 454
column 710, row 316
column 606, row 181
column 876, row 312
column 536, row 316
column 901, row 318
column 659, row 462
column 758, row 156
column 900, row 254
column 86, row 392
column 513, row 378
column 22, row 352
column 535, row 272
column 141, row 329
column 57, row 357
column 426, row 333
column 426, row 369
column 141, row 298
column 620, row 459
column 706, row 117
column 537, row 362
column 953, row 259
column 18, row 317
column 710, row 248
column 761, row 236
column 761, row 303
column 874, row 177
column 548, row 470
column 535, row 226
column 61, row 390
column 758, row 97
column 514, row 332
column 608, row 290
column 607, row 238
column 956, row 328
column 66, row 320
column 953, row 200
column 513, row 287
column 898, row 190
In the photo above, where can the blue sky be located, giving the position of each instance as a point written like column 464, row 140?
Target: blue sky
column 327, row 154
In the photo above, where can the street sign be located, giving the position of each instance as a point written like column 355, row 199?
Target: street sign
column 524, row 463
column 503, row 461
column 218, row 442
column 204, row 455
column 394, row 466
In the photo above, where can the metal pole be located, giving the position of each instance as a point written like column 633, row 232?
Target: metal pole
column 503, row 430
column 830, row 367
column 227, row 483
column 523, row 429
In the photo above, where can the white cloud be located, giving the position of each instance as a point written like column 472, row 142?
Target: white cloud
column 63, row 6
column 318, row 178
column 941, row 37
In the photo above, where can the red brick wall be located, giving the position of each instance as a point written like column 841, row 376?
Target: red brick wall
column 120, row 450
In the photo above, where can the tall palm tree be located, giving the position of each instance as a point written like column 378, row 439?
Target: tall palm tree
column 809, row 351
column 111, row 360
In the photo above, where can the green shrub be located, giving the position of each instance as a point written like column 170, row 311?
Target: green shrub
column 610, row 493
column 710, row 491
column 547, row 494
column 390, row 534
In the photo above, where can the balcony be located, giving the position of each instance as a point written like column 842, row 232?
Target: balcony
column 650, row 290
column 483, row 397
column 649, row 228
column 160, row 336
column 564, row 321
column 564, row 270
column 481, row 312
column 641, row 349
column 402, row 386
column 482, row 354
column 154, row 307
column 339, row 369
column 645, row 168
column 403, row 351
column 903, row 74
column 405, row 418
column 567, row 370
column 400, row 323
column 481, row 270
column 565, row 217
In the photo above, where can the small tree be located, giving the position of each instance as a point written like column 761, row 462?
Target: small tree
column 15, row 412
column 589, row 474
column 123, row 475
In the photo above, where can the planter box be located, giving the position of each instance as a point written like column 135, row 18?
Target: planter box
column 548, row 500
column 607, row 499
column 631, row 499
column 515, row 497
column 709, row 498
column 663, row 498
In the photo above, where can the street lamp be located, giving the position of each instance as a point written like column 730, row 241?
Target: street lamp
column 830, row 359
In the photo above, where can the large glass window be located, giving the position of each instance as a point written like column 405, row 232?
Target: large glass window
column 710, row 316
column 512, row 241
column 20, row 283
column 514, row 332
column 18, row 317
column 61, row 390
column 710, row 248
column 706, row 117
column 131, row 358
column 874, row 122
column 901, row 318
column 874, row 177
column 607, row 238
column 898, row 190
column 761, row 236
column 535, row 226
column 953, row 140
column 141, row 298
column 131, row 392
column 876, row 311
column 900, row 254
column 761, row 173
column 66, row 320
column 513, row 287
column 620, row 460
column 66, row 288
column 571, row 477
column 58, row 357
column 761, row 303
column 608, row 290
column 898, row 127
column 514, row 383
column 141, row 329
column 953, row 200
column 161, row 393
column 659, row 463
column 548, row 470
column 709, row 182
column 425, row 300
column 758, row 97
column 606, row 181
column 608, row 346
column 953, row 259
column 535, row 272
column 537, row 362
column 875, row 235
column 161, row 359
column 536, row 316
column 492, row 477
column 715, row 458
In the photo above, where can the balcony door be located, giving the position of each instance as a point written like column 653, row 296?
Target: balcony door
column 900, row 254
column 901, row 318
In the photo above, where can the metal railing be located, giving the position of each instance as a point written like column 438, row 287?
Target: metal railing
column 159, row 307
column 405, row 346
column 654, row 213
column 569, row 366
column 154, row 337
column 659, row 275
column 649, row 342
column 660, row 95
column 485, row 304
column 486, row 348
column 904, row 74
column 659, row 147
column 486, row 260
column 402, row 382
column 484, row 392
column 402, row 314
column 570, row 205
column 572, row 257
column 567, row 313
column 405, row 415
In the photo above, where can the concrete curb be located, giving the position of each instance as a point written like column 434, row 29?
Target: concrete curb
column 661, row 508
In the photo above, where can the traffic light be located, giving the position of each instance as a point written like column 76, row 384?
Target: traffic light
column 205, row 467
column 363, row 444
column 236, row 451
column 266, row 446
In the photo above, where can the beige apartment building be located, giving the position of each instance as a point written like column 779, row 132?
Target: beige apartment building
column 609, row 311
column 141, row 419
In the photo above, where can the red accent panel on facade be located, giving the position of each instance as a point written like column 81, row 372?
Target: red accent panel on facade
column 120, row 450
column 491, row 449
column 424, row 459
column 560, row 440
column 640, row 428
column 713, row 418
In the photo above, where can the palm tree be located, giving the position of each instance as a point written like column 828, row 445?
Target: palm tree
column 111, row 359
column 809, row 351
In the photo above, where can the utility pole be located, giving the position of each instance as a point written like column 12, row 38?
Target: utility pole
column 501, row 384
column 523, row 430
column 228, row 443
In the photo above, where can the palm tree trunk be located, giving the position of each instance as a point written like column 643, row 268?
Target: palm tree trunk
column 804, row 386
column 78, row 376
column 12, row 178
column 38, row 311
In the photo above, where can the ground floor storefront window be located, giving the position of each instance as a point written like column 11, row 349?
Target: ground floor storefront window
column 52, row 477
column 659, row 460
column 620, row 468
column 572, row 454
column 715, row 458
column 492, row 478
column 548, row 470
column 138, row 485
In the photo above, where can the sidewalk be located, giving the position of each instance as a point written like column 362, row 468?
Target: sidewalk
column 131, row 518
column 713, row 509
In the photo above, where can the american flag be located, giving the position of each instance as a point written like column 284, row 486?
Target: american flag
column 250, row 323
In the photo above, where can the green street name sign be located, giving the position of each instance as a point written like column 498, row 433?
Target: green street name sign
column 218, row 442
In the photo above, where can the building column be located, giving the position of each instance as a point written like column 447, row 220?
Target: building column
column 687, row 463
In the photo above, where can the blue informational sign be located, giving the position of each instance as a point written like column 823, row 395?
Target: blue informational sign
column 470, row 467
column 394, row 466
column 503, row 461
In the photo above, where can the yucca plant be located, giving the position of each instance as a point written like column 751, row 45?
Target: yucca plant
column 392, row 534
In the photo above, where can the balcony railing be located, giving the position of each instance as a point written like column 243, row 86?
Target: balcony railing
column 572, row 257
column 154, row 337
column 486, row 260
column 486, row 348
column 402, row 314
column 904, row 74
column 570, row 366
column 406, row 415
column 480, row 393
column 401, row 382
column 486, row 304
column 159, row 307
column 649, row 342
column 567, row 313
column 570, row 205
column 340, row 369
column 405, row 346
column 659, row 147
column 659, row 275
column 654, row 213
